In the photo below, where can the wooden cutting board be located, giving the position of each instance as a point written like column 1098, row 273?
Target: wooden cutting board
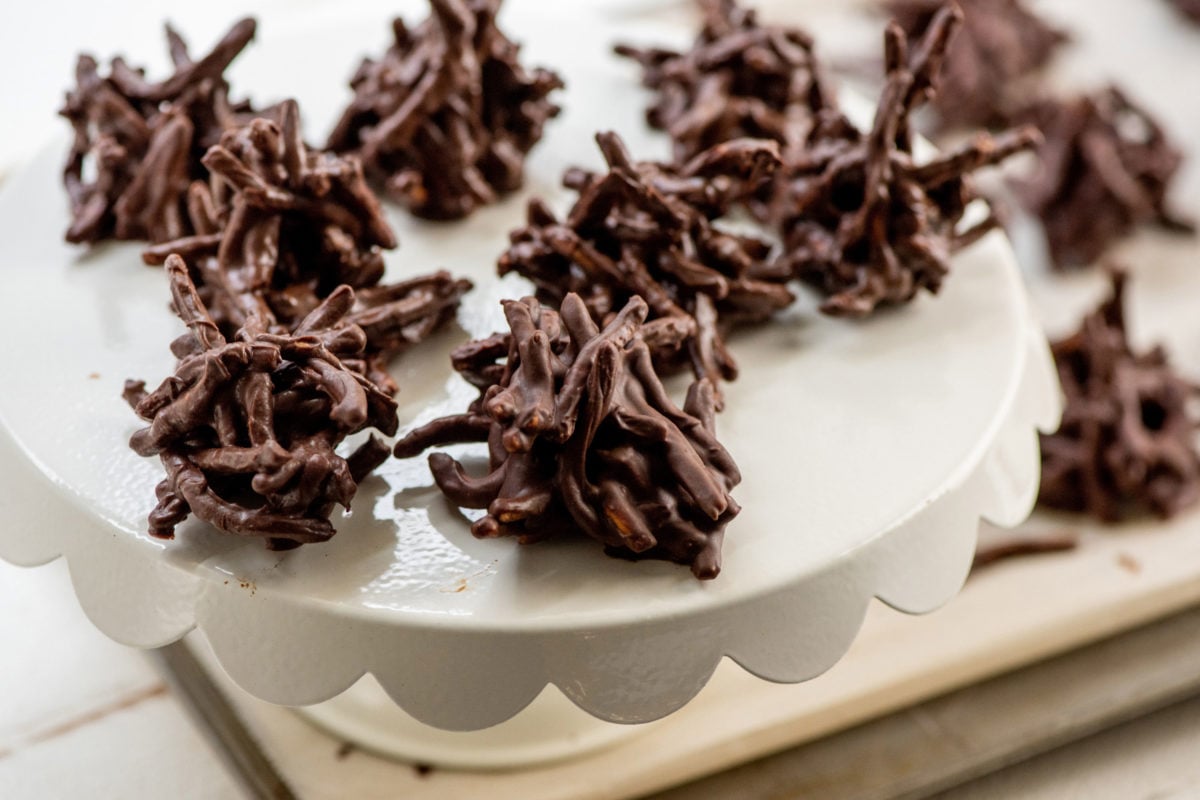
column 1008, row 615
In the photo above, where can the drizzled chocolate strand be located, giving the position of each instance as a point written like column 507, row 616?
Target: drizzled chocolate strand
column 1189, row 8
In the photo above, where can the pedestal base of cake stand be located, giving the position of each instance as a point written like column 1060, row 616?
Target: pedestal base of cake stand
column 551, row 728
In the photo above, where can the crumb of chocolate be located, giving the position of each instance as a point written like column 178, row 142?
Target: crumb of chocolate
column 279, row 226
column 643, row 229
column 141, row 142
column 1000, row 48
column 423, row 770
column 1106, row 167
column 860, row 218
column 582, row 437
column 247, row 427
column 444, row 120
column 345, row 750
column 1126, row 442
column 740, row 79
column 1129, row 563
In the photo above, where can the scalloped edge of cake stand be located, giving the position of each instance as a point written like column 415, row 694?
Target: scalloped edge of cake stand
column 915, row 566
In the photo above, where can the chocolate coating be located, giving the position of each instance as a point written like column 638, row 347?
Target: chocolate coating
column 444, row 119
column 582, row 436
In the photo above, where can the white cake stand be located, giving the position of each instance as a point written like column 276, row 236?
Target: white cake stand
column 869, row 453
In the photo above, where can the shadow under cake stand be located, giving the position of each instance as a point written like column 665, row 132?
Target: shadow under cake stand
column 869, row 452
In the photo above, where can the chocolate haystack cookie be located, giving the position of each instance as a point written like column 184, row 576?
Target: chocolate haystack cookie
column 444, row 120
column 740, row 79
column 1127, row 439
column 582, row 436
column 1002, row 44
column 247, row 427
column 646, row 230
column 1106, row 166
column 141, row 142
column 280, row 226
column 860, row 218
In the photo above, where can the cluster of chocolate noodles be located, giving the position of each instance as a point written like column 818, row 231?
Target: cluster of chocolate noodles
column 861, row 218
column 138, row 144
column 290, row 333
column 1106, row 166
column 444, row 120
column 247, row 427
column 1001, row 46
column 739, row 79
column 1127, row 437
column 279, row 227
column 581, row 434
column 647, row 230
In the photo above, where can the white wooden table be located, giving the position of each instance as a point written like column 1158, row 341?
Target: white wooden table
column 81, row 716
